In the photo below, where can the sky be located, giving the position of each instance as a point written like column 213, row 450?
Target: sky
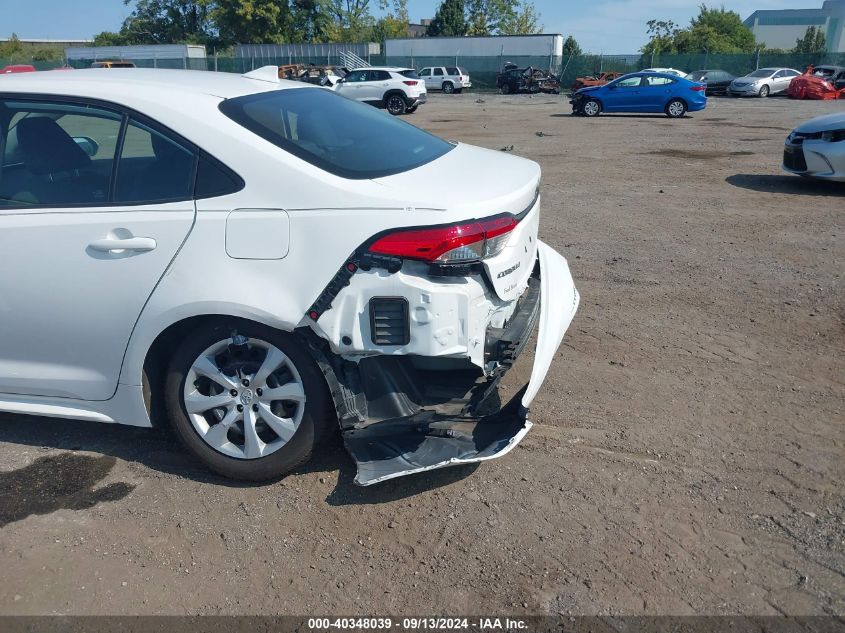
column 600, row 26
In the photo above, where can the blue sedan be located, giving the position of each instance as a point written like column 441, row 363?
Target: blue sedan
column 642, row 92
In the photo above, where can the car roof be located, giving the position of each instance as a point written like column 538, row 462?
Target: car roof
column 132, row 84
column 395, row 69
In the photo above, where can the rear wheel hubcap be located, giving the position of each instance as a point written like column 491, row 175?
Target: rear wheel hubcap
column 244, row 398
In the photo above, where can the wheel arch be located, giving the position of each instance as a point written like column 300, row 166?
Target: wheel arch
column 675, row 98
column 390, row 93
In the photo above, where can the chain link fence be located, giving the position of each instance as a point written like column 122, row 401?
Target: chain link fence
column 483, row 69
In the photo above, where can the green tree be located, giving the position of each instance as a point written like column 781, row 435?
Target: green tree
column 12, row 48
column 168, row 22
column 661, row 37
column 46, row 55
column 571, row 47
column 813, row 42
column 252, row 21
column 110, row 38
column 349, row 20
column 501, row 17
column 449, row 21
column 712, row 30
column 395, row 22
column 521, row 19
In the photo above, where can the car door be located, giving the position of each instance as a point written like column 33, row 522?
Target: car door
column 622, row 95
column 780, row 81
column 437, row 76
column 425, row 75
column 655, row 93
column 378, row 83
column 94, row 206
column 353, row 86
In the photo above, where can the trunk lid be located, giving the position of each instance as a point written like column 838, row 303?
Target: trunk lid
column 474, row 183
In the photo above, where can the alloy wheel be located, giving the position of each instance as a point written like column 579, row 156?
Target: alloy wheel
column 244, row 397
column 396, row 105
column 676, row 109
column 591, row 108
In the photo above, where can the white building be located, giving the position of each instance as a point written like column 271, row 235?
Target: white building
column 780, row 28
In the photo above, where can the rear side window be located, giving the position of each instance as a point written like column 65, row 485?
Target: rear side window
column 153, row 167
column 410, row 74
column 658, row 81
column 379, row 75
column 214, row 179
column 339, row 135
column 453, row 71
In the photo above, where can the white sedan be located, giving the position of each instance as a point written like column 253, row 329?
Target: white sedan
column 257, row 262
column 665, row 71
column 816, row 149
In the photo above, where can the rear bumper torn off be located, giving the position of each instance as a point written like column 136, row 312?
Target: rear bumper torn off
column 433, row 437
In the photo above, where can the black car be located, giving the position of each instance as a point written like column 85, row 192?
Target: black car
column 532, row 80
column 717, row 80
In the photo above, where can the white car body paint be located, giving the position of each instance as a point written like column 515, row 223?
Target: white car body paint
column 77, row 326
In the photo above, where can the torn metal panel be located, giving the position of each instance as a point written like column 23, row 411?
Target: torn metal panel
column 429, row 441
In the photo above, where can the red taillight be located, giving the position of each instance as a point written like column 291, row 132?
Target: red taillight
column 410, row 83
column 699, row 87
column 456, row 243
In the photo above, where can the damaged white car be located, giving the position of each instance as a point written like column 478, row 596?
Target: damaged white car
column 258, row 262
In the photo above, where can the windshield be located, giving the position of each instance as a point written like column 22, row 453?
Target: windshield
column 763, row 72
column 341, row 136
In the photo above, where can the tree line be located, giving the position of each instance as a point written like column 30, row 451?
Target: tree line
column 718, row 31
column 222, row 23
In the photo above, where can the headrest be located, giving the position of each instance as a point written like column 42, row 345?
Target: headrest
column 47, row 149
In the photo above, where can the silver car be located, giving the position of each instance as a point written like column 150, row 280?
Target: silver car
column 449, row 79
column 816, row 149
column 762, row 82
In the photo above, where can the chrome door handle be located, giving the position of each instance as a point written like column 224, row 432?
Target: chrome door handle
column 108, row 245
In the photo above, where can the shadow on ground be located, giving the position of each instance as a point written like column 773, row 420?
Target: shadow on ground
column 57, row 482
column 767, row 183
column 67, row 480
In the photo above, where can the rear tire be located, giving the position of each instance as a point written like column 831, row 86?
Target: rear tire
column 764, row 92
column 675, row 109
column 211, row 375
column 395, row 104
column 448, row 87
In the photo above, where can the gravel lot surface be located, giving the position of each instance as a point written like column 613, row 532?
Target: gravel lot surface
column 688, row 455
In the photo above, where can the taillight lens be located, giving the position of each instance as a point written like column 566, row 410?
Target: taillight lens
column 410, row 83
column 699, row 87
column 453, row 244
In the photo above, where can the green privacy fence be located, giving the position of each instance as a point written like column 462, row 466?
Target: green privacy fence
column 483, row 69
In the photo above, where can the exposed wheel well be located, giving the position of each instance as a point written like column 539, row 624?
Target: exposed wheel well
column 159, row 355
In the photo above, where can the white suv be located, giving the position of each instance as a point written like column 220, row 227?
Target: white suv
column 258, row 262
column 449, row 79
column 399, row 90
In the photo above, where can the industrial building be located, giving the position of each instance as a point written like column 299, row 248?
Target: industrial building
column 154, row 55
column 780, row 28
column 495, row 46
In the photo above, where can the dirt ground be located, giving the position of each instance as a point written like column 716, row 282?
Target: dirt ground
column 688, row 455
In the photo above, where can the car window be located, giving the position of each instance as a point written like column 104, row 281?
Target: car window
column 379, row 75
column 153, row 167
column 339, row 135
column 410, row 74
column 425, row 72
column 56, row 154
column 657, row 81
column 357, row 76
column 791, row 73
column 453, row 71
column 763, row 72
column 438, row 72
column 628, row 82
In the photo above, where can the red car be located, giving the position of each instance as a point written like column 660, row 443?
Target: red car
column 819, row 82
column 17, row 68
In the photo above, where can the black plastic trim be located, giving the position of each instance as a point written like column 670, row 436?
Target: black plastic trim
column 406, row 320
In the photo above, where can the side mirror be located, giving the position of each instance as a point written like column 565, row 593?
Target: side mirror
column 87, row 144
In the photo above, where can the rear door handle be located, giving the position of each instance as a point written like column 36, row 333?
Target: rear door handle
column 108, row 245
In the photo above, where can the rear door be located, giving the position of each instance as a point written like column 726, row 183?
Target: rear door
column 93, row 208
column 437, row 77
column 655, row 93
